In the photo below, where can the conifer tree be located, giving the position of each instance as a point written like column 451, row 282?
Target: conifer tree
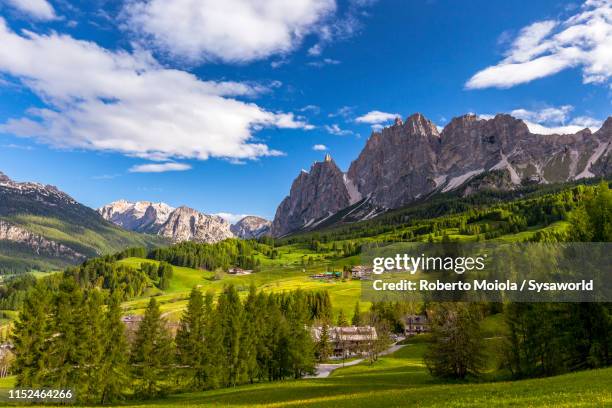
column 301, row 347
column 151, row 351
column 230, row 313
column 213, row 345
column 250, row 335
column 29, row 337
column 324, row 346
column 190, row 338
column 113, row 371
column 91, row 345
column 356, row 321
column 342, row 320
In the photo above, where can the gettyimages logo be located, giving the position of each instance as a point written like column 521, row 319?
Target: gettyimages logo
column 411, row 264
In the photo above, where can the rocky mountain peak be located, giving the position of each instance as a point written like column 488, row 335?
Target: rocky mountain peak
column 325, row 184
column 187, row 224
column 410, row 160
column 606, row 127
column 139, row 216
column 251, row 227
column 417, row 124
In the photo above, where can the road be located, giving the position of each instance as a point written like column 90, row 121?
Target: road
column 324, row 370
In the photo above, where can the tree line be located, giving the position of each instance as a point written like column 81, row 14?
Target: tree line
column 542, row 339
column 73, row 336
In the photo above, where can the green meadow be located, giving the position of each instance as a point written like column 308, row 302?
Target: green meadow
column 400, row 380
column 343, row 293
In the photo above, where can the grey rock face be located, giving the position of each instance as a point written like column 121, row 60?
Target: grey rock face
column 251, row 227
column 314, row 195
column 187, row 224
column 397, row 164
column 412, row 160
column 37, row 243
column 139, row 216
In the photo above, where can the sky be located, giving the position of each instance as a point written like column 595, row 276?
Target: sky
column 218, row 105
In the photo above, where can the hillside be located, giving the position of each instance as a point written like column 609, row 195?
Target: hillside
column 43, row 228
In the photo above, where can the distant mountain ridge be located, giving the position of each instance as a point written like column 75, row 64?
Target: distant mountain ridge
column 42, row 228
column 180, row 224
column 411, row 160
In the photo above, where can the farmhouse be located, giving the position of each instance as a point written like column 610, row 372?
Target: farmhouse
column 415, row 324
column 239, row 271
column 348, row 341
column 361, row 272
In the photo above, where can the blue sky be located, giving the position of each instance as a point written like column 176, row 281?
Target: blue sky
column 218, row 105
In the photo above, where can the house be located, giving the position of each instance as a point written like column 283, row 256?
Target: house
column 415, row 324
column 327, row 275
column 361, row 272
column 347, row 341
column 239, row 271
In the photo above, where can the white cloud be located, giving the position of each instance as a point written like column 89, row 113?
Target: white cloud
column 343, row 112
column 228, row 30
column 324, row 62
column 552, row 120
column 126, row 102
column 37, row 9
column 311, row 108
column 547, row 47
column 334, row 129
column 546, row 115
column 315, row 50
column 376, row 117
column 159, row 167
column 319, row 147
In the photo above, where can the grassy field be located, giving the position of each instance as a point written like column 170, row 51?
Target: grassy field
column 401, row 380
column 343, row 294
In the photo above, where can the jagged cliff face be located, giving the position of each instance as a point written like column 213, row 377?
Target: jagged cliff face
column 251, row 227
column 38, row 244
column 187, row 224
column 139, row 216
column 411, row 160
column 397, row 163
column 315, row 194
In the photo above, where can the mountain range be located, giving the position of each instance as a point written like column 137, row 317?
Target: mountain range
column 43, row 228
column 412, row 160
column 182, row 223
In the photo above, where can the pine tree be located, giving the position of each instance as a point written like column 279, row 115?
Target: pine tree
column 30, row 335
column 324, row 346
column 250, row 335
column 229, row 310
column 152, row 351
column 213, row 358
column 190, row 338
column 113, row 371
column 90, row 346
column 342, row 320
column 356, row 316
column 456, row 347
column 301, row 347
